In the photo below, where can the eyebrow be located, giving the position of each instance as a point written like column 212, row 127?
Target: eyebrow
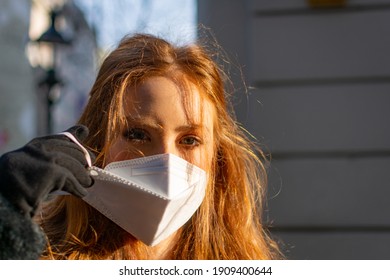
column 143, row 122
column 146, row 122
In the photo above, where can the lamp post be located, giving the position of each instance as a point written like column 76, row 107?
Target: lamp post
column 51, row 37
column 48, row 83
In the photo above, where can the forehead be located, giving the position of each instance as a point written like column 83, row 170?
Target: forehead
column 167, row 100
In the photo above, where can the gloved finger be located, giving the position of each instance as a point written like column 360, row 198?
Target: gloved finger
column 75, row 189
column 58, row 145
column 79, row 131
column 73, row 150
column 70, row 184
column 76, row 170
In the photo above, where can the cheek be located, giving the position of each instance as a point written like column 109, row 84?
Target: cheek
column 120, row 151
column 204, row 163
column 204, row 158
column 114, row 152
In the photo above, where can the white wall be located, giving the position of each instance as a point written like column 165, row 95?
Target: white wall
column 17, row 94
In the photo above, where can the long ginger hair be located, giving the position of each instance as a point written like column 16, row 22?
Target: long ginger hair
column 228, row 224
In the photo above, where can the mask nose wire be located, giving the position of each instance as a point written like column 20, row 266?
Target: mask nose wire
column 86, row 153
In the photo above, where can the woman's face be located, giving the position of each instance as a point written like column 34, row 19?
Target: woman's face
column 159, row 122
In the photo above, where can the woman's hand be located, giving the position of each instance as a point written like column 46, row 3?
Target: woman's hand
column 44, row 165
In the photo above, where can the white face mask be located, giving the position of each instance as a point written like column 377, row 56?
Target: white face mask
column 149, row 197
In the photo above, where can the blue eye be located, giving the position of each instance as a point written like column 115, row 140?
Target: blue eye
column 136, row 134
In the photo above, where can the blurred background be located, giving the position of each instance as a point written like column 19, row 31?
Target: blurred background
column 318, row 98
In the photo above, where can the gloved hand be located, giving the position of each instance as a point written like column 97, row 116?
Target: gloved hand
column 43, row 165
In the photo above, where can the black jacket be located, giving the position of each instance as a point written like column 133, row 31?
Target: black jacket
column 20, row 237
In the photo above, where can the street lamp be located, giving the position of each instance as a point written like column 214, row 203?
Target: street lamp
column 52, row 35
column 52, row 38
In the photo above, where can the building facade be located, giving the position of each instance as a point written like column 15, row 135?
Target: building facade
column 320, row 80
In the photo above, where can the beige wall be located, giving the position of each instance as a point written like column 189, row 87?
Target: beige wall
column 320, row 104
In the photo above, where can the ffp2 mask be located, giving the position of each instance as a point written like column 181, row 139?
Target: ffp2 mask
column 149, row 197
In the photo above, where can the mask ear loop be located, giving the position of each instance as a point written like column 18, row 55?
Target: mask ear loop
column 86, row 153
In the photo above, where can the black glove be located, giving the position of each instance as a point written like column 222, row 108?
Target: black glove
column 45, row 164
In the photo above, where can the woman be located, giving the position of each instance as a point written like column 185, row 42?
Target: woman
column 151, row 98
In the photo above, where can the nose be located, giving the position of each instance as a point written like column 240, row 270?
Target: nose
column 167, row 146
